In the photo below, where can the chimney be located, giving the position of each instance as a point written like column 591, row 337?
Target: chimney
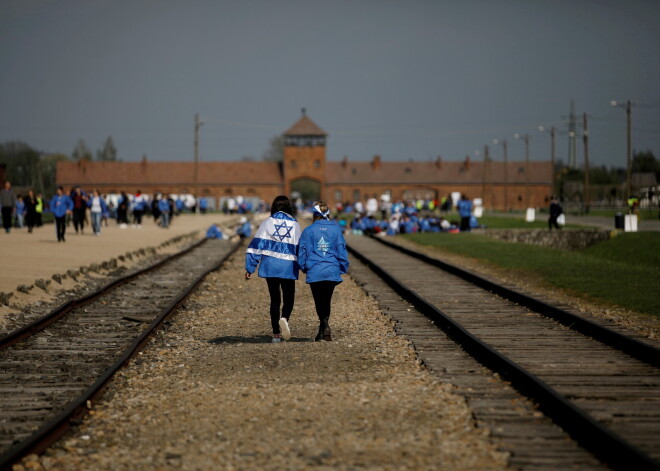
column 344, row 162
column 466, row 164
column 376, row 162
column 438, row 162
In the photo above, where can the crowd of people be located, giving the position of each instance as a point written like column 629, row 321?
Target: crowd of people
column 404, row 217
column 82, row 208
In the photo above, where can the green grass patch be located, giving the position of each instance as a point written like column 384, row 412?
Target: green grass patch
column 623, row 270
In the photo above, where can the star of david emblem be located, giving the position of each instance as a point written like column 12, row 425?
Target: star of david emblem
column 323, row 246
column 283, row 227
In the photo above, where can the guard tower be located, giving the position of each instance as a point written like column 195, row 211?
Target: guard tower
column 304, row 159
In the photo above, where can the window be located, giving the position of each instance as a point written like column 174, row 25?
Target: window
column 521, row 170
column 356, row 194
column 338, row 195
column 354, row 171
column 228, row 191
column 293, row 164
column 408, row 170
column 317, row 163
column 250, row 191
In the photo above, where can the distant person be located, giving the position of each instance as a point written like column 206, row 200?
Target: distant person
column 20, row 211
column 164, row 210
column 79, row 198
column 465, row 211
column 30, row 210
column 214, row 232
column 244, row 228
column 139, row 207
column 39, row 211
column 555, row 211
column 203, row 205
column 322, row 256
column 61, row 205
column 122, row 210
column 8, row 204
column 155, row 210
column 97, row 207
column 274, row 248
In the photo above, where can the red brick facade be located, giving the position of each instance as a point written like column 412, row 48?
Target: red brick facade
column 515, row 186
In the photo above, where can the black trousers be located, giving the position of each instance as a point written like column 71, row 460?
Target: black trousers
column 60, row 227
column 7, row 217
column 79, row 218
column 137, row 216
column 465, row 224
column 281, row 291
column 322, row 294
column 552, row 221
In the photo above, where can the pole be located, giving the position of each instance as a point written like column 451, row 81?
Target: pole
column 483, row 176
column 585, row 138
column 629, row 153
column 506, row 176
column 527, row 170
column 552, row 159
column 198, row 124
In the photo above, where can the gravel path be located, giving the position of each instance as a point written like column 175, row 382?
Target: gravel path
column 212, row 392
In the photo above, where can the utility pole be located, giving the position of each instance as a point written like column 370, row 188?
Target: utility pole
column 483, row 176
column 552, row 158
column 572, row 134
column 585, row 138
column 198, row 124
column 629, row 153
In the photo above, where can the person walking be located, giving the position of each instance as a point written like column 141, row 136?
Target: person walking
column 60, row 206
column 322, row 256
column 20, row 211
column 164, row 208
column 122, row 210
column 8, row 205
column 139, row 207
column 97, row 207
column 274, row 248
column 79, row 198
column 465, row 211
column 555, row 211
column 39, row 211
column 30, row 210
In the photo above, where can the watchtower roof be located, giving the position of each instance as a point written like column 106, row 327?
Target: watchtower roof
column 305, row 127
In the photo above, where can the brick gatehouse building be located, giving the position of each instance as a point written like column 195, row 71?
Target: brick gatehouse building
column 305, row 169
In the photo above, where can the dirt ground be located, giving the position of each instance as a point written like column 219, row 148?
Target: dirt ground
column 26, row 257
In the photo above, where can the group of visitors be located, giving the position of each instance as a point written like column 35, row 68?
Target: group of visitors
column 27, row 209
column 281, row 250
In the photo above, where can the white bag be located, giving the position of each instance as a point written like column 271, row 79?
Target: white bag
column 561, row 219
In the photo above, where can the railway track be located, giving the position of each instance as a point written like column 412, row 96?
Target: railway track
column 601, row 387
column 53, row 369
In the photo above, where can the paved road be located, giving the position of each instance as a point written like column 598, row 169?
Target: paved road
column 608, row 222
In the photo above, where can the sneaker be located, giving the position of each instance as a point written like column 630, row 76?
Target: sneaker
column 284, row 328
column 276, row 340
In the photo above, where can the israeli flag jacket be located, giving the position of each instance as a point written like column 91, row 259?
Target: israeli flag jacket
column 275, row 245
column 322, row 252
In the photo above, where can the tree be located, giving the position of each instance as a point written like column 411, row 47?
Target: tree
column 22, row 163
column 645, row 162
column 275, row 153
column 108, row 153
column 81, row 151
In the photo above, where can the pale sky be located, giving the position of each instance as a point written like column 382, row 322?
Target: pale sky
column 403, row 79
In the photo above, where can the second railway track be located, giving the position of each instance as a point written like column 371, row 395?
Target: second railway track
column 606, row 399
column 50, row 371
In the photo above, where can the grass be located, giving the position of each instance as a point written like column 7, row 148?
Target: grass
column 623, row 270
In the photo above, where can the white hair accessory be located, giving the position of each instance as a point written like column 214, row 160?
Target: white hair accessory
column 318, row 210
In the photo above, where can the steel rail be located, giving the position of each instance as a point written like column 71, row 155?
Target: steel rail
column 57, row 313
column 602, row 442
column 633, row 347
column 59, row 425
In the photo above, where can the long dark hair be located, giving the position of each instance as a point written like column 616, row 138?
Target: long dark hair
column 281, row 203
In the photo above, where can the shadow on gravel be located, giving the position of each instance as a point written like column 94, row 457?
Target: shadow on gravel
column 256, row 339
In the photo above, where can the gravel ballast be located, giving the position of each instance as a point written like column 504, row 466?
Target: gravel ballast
column 212, row 392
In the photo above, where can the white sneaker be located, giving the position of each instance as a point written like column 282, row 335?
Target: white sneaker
column 284, row 329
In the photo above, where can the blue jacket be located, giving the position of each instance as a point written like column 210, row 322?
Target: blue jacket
column 465, row 208
column 322, row 252
column 104, row 207
column 164, row 205
column 275, row 248
column 59, row 205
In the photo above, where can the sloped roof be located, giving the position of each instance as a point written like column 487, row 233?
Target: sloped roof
column 167, row 173
column 431, row 173
column 305, row 127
